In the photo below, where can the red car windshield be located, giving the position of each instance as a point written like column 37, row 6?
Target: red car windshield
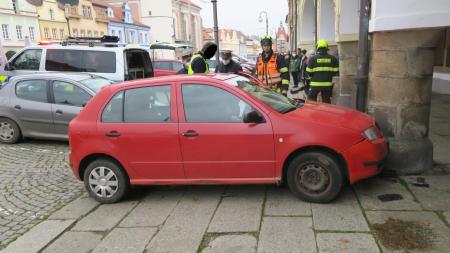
column 275, row 100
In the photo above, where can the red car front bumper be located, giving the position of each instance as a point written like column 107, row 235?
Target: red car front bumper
column 366, row 159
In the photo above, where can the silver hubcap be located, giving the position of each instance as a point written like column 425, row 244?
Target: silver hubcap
column 6, row 131
column 103, row 182
column 314, row 178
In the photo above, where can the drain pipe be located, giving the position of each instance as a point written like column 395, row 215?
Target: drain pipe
column 361, row 79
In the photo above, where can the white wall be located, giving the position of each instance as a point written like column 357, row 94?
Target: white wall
column 306, row 24
column 406, row 14
column 161, row 27
column 326, row 25
column 349, row 17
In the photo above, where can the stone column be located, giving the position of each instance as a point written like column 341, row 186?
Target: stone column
column 343, row 85
column 399, row 94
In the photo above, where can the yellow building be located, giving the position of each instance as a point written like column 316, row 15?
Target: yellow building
column 52, row 21
column 87, row 18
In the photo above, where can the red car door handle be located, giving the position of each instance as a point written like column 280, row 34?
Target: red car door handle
column 112, row 134
column 189, row 134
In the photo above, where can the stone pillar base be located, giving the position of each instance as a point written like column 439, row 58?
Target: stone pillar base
column 343, row 85
column 408, row 157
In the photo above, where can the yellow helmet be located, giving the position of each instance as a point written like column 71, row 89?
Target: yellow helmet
column 322, row 44
column 266, row 40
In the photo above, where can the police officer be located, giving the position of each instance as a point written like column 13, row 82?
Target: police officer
column 272, row 69
column 227, row 65
column 198, row 62
column 321, row 69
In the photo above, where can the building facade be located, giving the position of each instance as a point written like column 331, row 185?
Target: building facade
column 188, row 23
column 52, row 20
column 158, row 15
column 281, row 40
column 86, row 18
column 18, row 23
column 407, row 46
column 124, row 24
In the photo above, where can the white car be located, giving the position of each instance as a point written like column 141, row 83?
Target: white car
column 113, row 61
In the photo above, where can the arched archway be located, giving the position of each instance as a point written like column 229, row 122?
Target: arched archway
column 306, row 24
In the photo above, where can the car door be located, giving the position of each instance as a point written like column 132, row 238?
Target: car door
column 141, row 127
column 68, row 100
column 215, row 142
column 31, row 106
column 163, row 68
column 27, row 62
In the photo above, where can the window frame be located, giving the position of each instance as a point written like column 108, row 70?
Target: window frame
column 47, row 89
column 31, row 32
column 5, row 32
column 182, row 109
column 172, row 104
column 19, row 32
column 52, row 99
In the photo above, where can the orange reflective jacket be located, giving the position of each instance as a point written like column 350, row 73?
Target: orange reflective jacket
column 268, row 71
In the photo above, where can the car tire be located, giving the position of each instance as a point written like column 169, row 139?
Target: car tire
column 109, row 186
column 315, row 177
column 9, row 131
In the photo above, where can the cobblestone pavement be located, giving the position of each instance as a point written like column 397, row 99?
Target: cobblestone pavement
column 35, row 180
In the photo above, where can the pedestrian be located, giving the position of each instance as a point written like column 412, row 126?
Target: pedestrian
column 321, row 69
column 272, row 69
column 294, row 68
column 198, row 64
column 227, row 64
column 185, row 59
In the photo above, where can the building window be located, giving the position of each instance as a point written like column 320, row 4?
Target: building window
column 89, row 12
column 14, row 5
column 95, row 34
column 19, row 32
column 61, row 32
column 113, row 32
column 46, row 34
column 89, row 34
column 31, row 30
column 52, row 14
column 54, row 34
column 75, row 32
column 120, row 35
column 140, row 37
column 146, row 38
column 5, row 31
column 82, row 33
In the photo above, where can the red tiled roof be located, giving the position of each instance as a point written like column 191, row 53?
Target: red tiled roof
column 101, row 3
column 118, row 17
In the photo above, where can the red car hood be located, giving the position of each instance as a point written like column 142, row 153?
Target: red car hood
column 334, row 116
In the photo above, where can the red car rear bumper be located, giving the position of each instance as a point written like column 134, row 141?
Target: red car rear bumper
column 366, row 159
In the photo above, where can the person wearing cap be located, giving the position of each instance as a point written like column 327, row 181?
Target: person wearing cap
column 272, row 69
column 185, row 59
column 321, row 69
column 227, row 65
column 198, row 64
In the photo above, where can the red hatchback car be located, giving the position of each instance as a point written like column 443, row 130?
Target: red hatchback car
column 219, row 129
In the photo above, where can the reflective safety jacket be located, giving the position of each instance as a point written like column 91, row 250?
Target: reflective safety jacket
column 321, row 69
column 197, row 57
column 273, row 71
column 3, row 79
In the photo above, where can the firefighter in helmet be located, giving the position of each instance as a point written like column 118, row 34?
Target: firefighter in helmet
column 272, row 69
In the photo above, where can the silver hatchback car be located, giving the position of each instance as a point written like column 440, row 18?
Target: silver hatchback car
column 42, row 105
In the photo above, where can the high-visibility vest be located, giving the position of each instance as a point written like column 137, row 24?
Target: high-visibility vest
column 3, row 79
column 268, row 72
column 191, row 71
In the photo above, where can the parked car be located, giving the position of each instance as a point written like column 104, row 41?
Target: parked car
column 219, row 129
column 166, row 67
column 42, row 105
column 110, row 60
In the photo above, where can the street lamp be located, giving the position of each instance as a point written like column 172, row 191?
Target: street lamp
column 267, row 20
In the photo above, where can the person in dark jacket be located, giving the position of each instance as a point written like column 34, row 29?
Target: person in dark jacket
column 198, row 62
column 227, row 65
column 321, row 69
column 294, row 68
column 186, row 59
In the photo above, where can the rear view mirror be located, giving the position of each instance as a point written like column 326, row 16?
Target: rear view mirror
column 253, row 117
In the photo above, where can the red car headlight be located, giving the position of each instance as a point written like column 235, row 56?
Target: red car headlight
column 371, row 133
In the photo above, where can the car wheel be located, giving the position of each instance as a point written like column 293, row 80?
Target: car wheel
column 9, row 131
column 315, row 177
column 106, row 181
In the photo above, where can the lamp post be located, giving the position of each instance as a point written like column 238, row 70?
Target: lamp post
column 267, row 20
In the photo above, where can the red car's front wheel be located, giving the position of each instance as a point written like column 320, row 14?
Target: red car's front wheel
column 315, row 177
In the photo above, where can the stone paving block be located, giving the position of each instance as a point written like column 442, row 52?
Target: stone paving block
column 343, row 214
column 128, row 240
column 105, row 217
column 38, row 237
column 153, row 210
column 232, row 243
column 183, row 230
column 436, row 196
column 286, row 234
column 74, row 242
column 440, row 232
column 240, row 210
column 369, row 190
column 75, row 210
column 346, row 242
column 281, row 202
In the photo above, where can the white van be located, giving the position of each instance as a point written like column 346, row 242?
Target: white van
column 113, row 61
